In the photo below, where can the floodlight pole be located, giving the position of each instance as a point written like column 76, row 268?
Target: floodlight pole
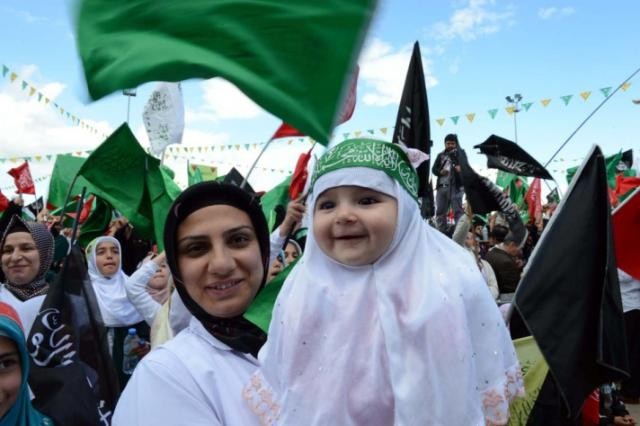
column 515, row 101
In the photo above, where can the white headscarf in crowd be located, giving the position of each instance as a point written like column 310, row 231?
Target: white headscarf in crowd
column 115, row 307
column 413, row 339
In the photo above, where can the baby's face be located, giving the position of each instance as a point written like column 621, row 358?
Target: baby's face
column 354, row 225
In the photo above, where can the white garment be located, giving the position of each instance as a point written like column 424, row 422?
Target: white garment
column 275, row 244
column 27, row 310
column 136, row 288
column 490, row 278
column 629, row 290
column 115, row 308
column 194, row 379
column 414, row 339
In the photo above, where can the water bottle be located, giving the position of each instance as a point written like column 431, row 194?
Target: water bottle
column 129, row 357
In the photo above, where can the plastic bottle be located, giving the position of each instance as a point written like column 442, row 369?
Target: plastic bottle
column 129, row 357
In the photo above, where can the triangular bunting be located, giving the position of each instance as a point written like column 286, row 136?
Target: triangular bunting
column 49, row 157
column 370, row 131
column 346, row 135
column 566, row 99
column 527, row 105
column 357, row 133
column 38, row 157
column 383, row 130
column 5, row 70
column 455, row 119
column 290, row 141
column 46, row 100
column 545, row 102
column 24, row 84
column 510, row 109
column 471, row 116
column 585, row 95
column 625, row 86
column 32, row 91
column 493, row 112
column 605, row 91
column 440, row 121
column 13, row 77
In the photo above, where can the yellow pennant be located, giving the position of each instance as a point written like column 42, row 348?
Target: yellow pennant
column 545, row 102
column 510, row 110
column 46, row 100
column 471, row 116
column 384, row 130
column 290, row 142
column 32, row 91
column 13, row 159
column 38, row 157
column 585, row 95
column 238, row 147
column 13, row 77
column 440, row 121
column 358, row 133
column 625, row 86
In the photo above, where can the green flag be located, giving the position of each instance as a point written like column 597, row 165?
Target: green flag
column 64, row 169
column 610, row 163
column 277, row 196
column 200, row 173
column 293, row 58
column 132, row 181
column 97, row 222
column 503, row 179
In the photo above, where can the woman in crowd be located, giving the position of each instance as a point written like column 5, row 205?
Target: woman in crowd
column 27, row 252
column 384, row 320
column 104, row 260
column 15, row 401
column 217, row 248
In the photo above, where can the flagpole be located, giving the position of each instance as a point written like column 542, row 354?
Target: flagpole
column 591, row 115
column 253, row 166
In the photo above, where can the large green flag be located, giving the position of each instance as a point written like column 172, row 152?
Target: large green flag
column 293, row 58
column 610, row 163
column 132, row 181
column 64, row 169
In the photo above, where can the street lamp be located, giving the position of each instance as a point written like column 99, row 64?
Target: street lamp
column 514, row 101
column 129, row 93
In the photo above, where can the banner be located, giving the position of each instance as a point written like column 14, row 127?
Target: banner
column 163, row 117
column 22, row 179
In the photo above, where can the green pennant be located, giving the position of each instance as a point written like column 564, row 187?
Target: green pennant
column 277, row 196
column 527, row 105
column 370, row 131
column 345, row 135
column 610, row 163
column 24, row 84
column 39, row 96
column 49, row 157
column 493, row 112
column 5, row 70
column 455, row 119
column 566, row 99
column 605, row 91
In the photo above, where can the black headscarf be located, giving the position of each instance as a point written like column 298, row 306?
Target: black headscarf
column 238, row 333
column 44, row 243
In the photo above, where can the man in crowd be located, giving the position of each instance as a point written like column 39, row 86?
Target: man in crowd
column 449, row 183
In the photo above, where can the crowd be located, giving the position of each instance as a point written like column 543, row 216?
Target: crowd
column 383, row 319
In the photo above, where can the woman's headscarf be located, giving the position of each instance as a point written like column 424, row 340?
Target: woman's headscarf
column 22, row 412
column 115, row 307
column 413, row 338
column 44, row 242
column 238, row 333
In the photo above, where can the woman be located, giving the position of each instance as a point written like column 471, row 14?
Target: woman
column 15, row 403
column 217, row 245
column 27, row 252
column 104, row 259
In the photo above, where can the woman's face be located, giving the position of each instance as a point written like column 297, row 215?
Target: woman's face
column 470, row 240
column 20, row 258
column 10, row 374
column 219, row 259
column 107, row 258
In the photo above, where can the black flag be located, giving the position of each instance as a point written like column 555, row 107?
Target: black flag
column 36, row 207
column 569, row 296
column 234, row 177
column 73, row 378
column 412, row 125
column 508, row 156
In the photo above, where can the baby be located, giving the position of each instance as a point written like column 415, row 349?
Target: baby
column 383, row 320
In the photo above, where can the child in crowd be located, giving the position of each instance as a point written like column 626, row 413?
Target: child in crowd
column 384, row 320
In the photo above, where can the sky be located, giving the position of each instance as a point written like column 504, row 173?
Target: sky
column 474, row 52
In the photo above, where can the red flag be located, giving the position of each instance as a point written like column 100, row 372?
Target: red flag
column 86, row 210
column 22, row 178
column 299, row 177
column 285, row 130
column 626, row 184
column 626, row 229
column 4, row 202
column 533, row 197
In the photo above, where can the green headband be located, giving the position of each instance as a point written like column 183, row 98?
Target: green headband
column 379, row 155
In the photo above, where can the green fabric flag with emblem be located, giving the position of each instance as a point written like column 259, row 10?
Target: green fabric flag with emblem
column 293, row 58
column 274, row 201
column 64, row 169
column 132, row 181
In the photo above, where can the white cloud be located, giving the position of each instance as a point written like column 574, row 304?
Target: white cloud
column 225, row 101
column 383, row 71
column 470, row 22
column 551, row 12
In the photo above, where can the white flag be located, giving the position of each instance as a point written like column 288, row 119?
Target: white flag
column 163, row 117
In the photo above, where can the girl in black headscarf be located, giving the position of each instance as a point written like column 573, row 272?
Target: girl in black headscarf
column 217, row 245
column 27, row 251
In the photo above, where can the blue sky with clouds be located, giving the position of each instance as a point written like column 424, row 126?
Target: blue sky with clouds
column 475, row 52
